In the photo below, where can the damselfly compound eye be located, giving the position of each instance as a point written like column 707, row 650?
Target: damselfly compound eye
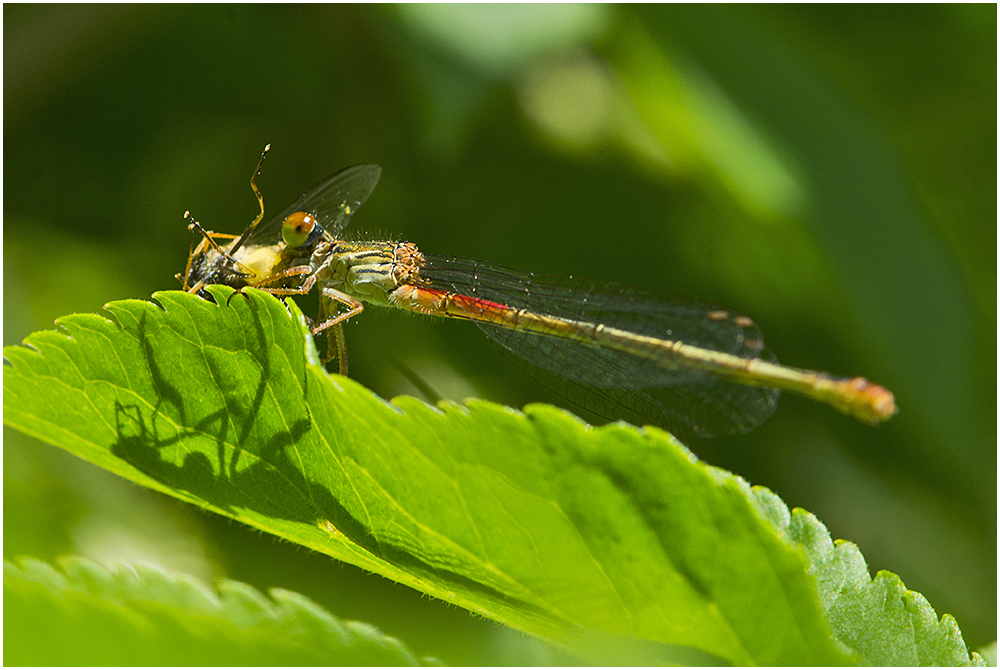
column 297, row 228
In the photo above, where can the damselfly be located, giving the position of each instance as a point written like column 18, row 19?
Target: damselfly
column 622, row 353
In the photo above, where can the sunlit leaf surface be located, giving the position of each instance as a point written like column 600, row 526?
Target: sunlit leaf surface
column 615, row 542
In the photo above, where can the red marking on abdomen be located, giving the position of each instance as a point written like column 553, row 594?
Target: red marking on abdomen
column 437, row 301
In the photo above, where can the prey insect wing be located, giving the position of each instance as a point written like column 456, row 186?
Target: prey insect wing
column 260, row 255
column 333, row 201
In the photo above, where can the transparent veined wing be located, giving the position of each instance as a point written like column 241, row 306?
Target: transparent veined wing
column 613, row 383
column 333, row 201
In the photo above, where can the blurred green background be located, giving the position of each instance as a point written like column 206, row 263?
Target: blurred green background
column 829, row 170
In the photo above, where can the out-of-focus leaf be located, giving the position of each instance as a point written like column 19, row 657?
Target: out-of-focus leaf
column 88, row 615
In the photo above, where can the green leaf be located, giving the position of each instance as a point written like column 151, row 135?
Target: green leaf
column 613, row 541
column 139, row 615
column 882, row 621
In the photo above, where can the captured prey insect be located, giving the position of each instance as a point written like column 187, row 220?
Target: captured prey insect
column 622, row 353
